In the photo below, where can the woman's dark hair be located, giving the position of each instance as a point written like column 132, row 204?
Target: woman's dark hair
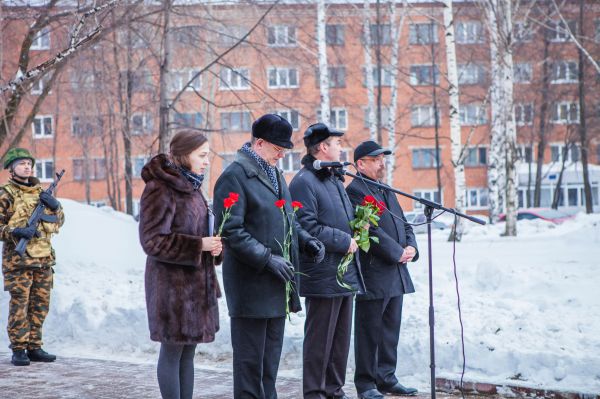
column 182, row 144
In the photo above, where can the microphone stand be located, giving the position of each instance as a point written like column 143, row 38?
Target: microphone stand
column 428, row 211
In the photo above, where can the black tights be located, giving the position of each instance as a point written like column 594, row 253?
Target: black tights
column 175, row 371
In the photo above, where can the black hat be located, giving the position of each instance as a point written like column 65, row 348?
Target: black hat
column 274, row 129
column 369, row 149
column 317, row 133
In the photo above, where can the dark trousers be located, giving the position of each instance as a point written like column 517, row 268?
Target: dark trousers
column 376, row 334
column 256, row 351
column 326, row 346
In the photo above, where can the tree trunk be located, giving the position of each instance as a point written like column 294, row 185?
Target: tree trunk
column 458, row 163
column 323, row 65
column 541, row 146
column 379, row 72
column 369, row 71
column 164, row 136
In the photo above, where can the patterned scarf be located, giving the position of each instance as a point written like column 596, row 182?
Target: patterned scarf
column 271, row 171
column 190, row 176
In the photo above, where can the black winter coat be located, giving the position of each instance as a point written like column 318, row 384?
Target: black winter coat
column 326, row 215
column 384, row 276
column 180, row 280
column 252, row 233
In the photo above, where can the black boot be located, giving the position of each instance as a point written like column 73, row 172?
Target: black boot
column 19, row 358
column 40, row 355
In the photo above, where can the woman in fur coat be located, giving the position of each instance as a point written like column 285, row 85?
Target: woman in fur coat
column 181, row 283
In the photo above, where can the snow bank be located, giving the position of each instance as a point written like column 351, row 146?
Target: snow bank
column 530, row 305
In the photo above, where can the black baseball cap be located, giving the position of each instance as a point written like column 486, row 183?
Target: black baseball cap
column 318, row 132
column 369, row 149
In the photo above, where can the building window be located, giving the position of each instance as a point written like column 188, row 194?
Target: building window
column 37, row 87
column 473, row 115
column 235, row 121
column 141, row 123
column 522, row 73
column 281, row 36
column 429, row 195
column 471, row 74
column 290, row 115
column 337, row 76
column 386, row 76
column 140, row 80
column 524, row 114
column 525, row 153
column 84, row 78
column 560, row 152
column 178, row 79
column 476, row 198
column 559, row 32
column 226, row 160
column 597, row 30
column 423, row 33
column 282, row 78
column 138, row 164
column 523, row 32
column 424, row 75
column 187, row 119
column 42, row 126
column 381, row 34
column 86, row 125
column 186, row 36
column 469, row 32
column 424, row 158
column 230, row 35
column 44, row 170
column 234, row 79
column 423, row 115
column 290, row 162
column 334, row 35
column 565, row 72
column 338, row 118
column 96, row 169
column 41, row 41
column 476, row 156
column 565, row 112
column 385, row 116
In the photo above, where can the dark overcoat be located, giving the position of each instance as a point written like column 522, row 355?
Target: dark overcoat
column 384, row 276
column 181, row 283
column 326, row 215
column 254, row 231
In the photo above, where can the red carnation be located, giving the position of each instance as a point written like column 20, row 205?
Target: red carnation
column 381, row 207
column 369, row 199
column 228, row 202
column 280, row 203
column 296, row 205
column 234, row 196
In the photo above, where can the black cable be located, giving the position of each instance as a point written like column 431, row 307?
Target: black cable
column 462, row 331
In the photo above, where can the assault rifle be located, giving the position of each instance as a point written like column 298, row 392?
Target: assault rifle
column 38, row 215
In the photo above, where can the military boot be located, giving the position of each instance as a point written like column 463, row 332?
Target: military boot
column 40, row 355
column 19, row 358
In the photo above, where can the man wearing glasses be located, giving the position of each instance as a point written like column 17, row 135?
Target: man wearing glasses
column 255, row 273
column 326, row 215
column 379, row 311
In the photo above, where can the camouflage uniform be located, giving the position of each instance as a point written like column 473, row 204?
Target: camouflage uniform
column 28, row 279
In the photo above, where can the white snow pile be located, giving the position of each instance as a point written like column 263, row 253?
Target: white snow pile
column 530, row 304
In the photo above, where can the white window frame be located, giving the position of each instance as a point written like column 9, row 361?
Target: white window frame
column 479, row 193
column 434, row 75
column 469, row 32
column 561, row 34
column 286, row 164
column 241, row 75
column 471, row 74
column 281, row 35
column 428, row 194
column 283, row 78
column 386, row 78
column 290, row 115
column 473, row 115
column 242, row 114
column 42, row 164
column 135, row 173
column 424, row 115
column 565, row 71
column 524, row 114
column 37, row 87
column 432, row 154
column 338, row 118
column 522, row 72
column 42, row 40
column 178, row 78
column 522, row 32
column 147, row 123
column 562, row 113
column 43, row 134
column 385, row 116
column 564, row 151
column 478, row 161
column 414, row 35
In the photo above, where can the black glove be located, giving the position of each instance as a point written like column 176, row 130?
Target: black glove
column 25, row 232
column 280, row 267
column 315, row 249
column 48, row 200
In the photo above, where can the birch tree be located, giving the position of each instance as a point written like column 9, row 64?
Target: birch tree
column 367, row 43
column 323, row 65
column 458, row 151
column 502, row 172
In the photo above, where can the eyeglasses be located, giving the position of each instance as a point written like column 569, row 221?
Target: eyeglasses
column 278, row 150
column 374, row 159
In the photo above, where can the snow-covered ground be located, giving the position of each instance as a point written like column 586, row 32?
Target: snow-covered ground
column 530, row 304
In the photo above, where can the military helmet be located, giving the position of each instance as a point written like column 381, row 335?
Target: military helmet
column 17, row 153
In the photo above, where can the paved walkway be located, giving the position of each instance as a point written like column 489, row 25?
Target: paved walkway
column 72, row 378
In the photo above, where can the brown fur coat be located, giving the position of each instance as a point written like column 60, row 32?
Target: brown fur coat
column 181, row 283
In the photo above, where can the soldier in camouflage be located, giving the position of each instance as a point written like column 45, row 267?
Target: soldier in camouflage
column 28, row 279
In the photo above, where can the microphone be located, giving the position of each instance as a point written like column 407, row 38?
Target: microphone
column 318, row 165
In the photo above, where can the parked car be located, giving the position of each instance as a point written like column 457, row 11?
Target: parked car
column 419, row 219
column 547, row 214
